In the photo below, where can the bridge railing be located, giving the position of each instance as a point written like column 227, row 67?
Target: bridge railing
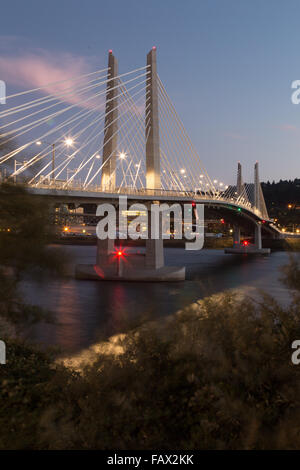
column 193, row 195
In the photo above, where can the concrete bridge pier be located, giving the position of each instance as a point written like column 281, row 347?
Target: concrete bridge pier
column 256, row 249
column 154, row 247
column 236, row 235
column 131, row 266
column 258, row 242
column 105, row 251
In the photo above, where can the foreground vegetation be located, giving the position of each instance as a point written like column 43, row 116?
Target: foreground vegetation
column 218, row 375
column 25, row 234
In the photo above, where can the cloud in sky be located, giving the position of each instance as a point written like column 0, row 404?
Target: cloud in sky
column 28, row 67
column 288, row 127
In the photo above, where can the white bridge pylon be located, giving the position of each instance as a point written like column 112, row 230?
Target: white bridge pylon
column 109, row 132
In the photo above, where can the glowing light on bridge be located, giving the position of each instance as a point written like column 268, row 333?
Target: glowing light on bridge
column 69, row 141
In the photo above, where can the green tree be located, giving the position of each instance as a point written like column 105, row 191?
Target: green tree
column 25, row 235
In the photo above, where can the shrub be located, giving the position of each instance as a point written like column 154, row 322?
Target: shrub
column 218, row 375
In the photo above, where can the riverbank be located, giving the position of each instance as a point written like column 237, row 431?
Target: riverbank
column 225, row 242
column 213, row 376
column 287, row 244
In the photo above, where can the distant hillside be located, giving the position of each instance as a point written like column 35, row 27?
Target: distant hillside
column 282, row 193
column 283, row 202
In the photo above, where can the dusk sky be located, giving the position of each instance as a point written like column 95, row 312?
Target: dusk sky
column 227, row 66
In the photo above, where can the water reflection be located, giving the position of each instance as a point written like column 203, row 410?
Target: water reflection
column 87, row 311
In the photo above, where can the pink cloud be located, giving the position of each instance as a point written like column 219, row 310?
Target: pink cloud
column 26, row 67
column 42, row 68
column 288, row 127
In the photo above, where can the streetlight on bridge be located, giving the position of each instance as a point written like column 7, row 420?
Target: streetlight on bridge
column 16, row 164
column 68, row 142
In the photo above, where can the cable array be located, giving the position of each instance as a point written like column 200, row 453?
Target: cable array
column 56, row 139
column 68, row 126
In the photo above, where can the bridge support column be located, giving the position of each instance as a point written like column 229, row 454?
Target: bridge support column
column 154, row 247
column 105, row 249
column 236, row 235
column 255, row 249
column 258, row 243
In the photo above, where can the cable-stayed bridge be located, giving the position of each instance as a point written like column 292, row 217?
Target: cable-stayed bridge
column 106, row 134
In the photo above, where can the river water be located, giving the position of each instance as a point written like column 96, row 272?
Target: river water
column 88, row 311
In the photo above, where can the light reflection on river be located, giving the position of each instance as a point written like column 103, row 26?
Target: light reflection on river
column 87, row 311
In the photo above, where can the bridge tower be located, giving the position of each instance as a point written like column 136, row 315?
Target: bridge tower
column 139, row 267
column 105, row 247
column 239, row 189
column 110, row 139
column 257, row 204
column 154, row 247
column 239, row 184
column 260, row 206
column 256, row 187
column 152, row 125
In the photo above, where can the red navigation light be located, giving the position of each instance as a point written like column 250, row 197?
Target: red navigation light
column 245, row 243
column 263, row 221
column 154, row 48
column 119, row 252
column 222, row 221
column 110, row 51
column 193, row 204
